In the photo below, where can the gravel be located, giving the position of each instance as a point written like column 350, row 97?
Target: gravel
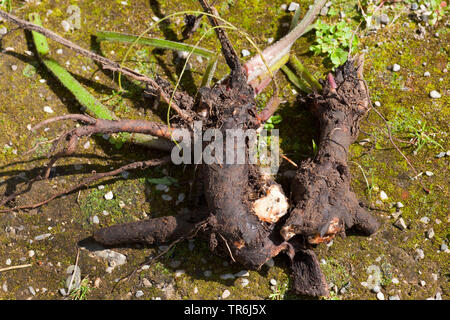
column 435, row 95
column 419, row 254
column 32, row 291
column 293, row 6
column 426, row 74
column 109, row 195
column 65, row 25
column 146, row 283
column 425, row 220
column 396, row 297
column 245, row 53
column 245, row 282
column 48, row 109
column 3, row 31
column 430, row 233
column 42, row 236
column 139, row 294
column 395, row 67
column 95, row 220
column 243, row 273
column 226, row 294
column 384, row 19
column 8, row 262
column 13, row 67
column 444, row 247
column 227, row 276
column 400, row 223
column 179, row 273
column 380, row 296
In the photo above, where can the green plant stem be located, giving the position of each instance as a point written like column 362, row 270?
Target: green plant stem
column 304, row 73
column 157, row 43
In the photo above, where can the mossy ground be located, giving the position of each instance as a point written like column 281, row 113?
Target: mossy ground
column 403, row 96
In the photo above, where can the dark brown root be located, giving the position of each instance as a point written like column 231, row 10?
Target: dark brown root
column 153, row 231
column 307, row 275
column 323, row 203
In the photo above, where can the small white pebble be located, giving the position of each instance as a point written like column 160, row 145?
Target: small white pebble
column 426, row 74
column 377, row 103
column 179, row 273
column 293, row 6
column 3, row 31
column 226, row 294
column 435, row 95
column 245, row 53
column 195, row 290
column 87, row 145
column 32, row 291
column 139, row 293
column 29, row 126
column 101, row 187
column 95, row 220
column 166, row 197
column 273, row 282
column 155, row 18
column 383, row 195
column 48, row 109
column 395, row 67
column 105, row 213
column 59, row 51
column 430, row 233
column 8, row 262
column 429, row 173
column 31, row 253
column 13, row 67
column 395, row 281
column 425, row 220
column 270, row 40
column 243, row 273
column 399, row 205
column 380, row 296
column 109, row 195
column 42, row 80
column 245, row 282
column 227, row 276
column 65, row 25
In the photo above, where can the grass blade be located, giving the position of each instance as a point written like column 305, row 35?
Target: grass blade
column 209, row 72
column 299, row 83
column 157, row 43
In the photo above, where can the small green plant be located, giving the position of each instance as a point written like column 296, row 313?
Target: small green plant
column 333, row 41
column 81, row 292
column 272, row 121
column 415, row 131
column 278, row 291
